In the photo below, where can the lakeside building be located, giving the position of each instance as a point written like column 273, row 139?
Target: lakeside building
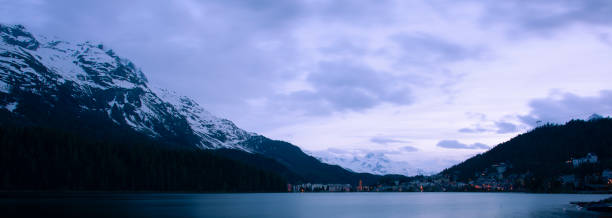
column 590, row 158
column 308, row 187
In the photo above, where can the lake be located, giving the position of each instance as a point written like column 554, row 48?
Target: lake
column 284, row 205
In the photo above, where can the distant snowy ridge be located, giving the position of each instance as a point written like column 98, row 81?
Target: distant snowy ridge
column 375, row 163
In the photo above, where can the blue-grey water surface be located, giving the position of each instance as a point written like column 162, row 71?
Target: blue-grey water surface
column 337, row 205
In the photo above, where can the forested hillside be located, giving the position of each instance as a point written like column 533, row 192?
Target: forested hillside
column 38, row 158
column 544, row 152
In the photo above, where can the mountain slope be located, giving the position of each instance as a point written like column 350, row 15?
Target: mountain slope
column 543, row 152
column 39, row 158
column 87, row 86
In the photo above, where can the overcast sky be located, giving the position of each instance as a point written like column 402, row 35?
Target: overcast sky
column 427, row 82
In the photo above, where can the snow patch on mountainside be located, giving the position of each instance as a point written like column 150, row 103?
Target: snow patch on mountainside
column 221, row 132
column 11, row 106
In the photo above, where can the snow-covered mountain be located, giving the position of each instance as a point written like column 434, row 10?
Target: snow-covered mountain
column 95, row 79
column 371, row 162
column 87, row 87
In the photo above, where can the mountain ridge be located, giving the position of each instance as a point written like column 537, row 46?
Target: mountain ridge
column 68, row 85
column 90, row 68
column 370, row 162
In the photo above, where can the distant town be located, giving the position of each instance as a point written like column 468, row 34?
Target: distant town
column 493, row 179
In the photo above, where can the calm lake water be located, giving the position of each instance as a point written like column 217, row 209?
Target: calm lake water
column 337, row 205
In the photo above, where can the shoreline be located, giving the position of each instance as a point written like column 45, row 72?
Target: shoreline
column 4, row 193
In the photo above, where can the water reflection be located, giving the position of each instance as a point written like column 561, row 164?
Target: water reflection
column 349, row 205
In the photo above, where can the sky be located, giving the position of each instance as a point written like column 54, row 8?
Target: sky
column 429, row 83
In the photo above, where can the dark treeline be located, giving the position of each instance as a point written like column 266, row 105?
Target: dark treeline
column 38, row 158
column 543, row 152
column 261, row 162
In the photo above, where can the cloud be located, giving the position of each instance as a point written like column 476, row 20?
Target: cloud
column 501, row 127
column 337, row 151
column 348, row 82
column 548, row 15
column 364, row 13
column 348, row 86
column 384, row 141
column 344, row 47
column 561, row 108
column 476, row 116
column 454, row 144
column 409, row 148
column 421, row 48
column 473, row 130
column 505, row 127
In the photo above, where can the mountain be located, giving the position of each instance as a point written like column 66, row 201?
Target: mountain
column 86, row 86
column 87, row 78
column 376, row 163
column 544, row 154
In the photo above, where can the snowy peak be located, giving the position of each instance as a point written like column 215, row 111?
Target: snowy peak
column 96, row 80
column 370, row 162
column 17, row 35
column 95, row 64
column 105, row 68
column 85, row 62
